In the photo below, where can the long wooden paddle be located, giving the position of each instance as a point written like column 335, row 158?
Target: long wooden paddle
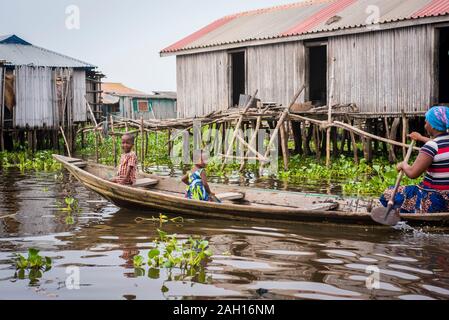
column 387, row 216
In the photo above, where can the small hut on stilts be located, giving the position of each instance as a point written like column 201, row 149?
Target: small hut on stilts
column 43, row 93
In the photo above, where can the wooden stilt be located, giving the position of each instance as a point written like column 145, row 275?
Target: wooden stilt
column 367, row 142
column 354, row 144
column 284, row 145
column 329, row 120
column 97, row 157
column 237, row 128
column 114, row 141
column 66, row 142
column 317, row 142
column 297, row 136
column 170, row 146
column 142, row 144
column 404, row 133
column 334, row 142
column 391, row 154
column 306, row 138
column 283, row 117
column 252, row 141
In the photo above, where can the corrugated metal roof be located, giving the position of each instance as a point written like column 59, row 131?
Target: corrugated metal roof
column 16, row 51
column 171, row 95
column 119, row 89
column 13, row 39
column 305, row 18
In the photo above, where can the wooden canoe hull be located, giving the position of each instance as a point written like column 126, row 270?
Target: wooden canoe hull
column 157, row 200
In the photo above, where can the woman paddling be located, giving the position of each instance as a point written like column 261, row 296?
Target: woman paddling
column 432, row 195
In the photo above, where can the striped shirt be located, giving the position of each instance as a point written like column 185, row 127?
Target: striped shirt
column 437, row 176
column 128, row 160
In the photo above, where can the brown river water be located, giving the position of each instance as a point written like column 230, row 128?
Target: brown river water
column 251, row 260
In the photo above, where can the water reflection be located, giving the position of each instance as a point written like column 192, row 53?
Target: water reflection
column 251, row 260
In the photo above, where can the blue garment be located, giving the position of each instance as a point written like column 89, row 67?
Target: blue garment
column 195, row 190
column 438, row 118
column 415, row 199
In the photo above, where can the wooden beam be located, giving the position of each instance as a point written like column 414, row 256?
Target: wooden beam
column 237, row 127
column 252, row 140
column 281, row 120
column 329, row 115
column 65, row 141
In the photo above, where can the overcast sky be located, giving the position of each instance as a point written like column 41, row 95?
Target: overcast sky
column 122, row 38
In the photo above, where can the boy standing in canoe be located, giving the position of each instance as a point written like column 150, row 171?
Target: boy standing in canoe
column 196, row 180
column 127, row 172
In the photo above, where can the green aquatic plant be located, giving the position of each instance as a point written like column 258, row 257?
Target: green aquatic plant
column 40, row 161
column 138, row 261
column 169, row 252
column 34, row 264
column 69, row 207
column 72, row 204
column 33, row 261
column 162, row 219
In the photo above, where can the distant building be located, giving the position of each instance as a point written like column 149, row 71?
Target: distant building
column 390, row 55
column 41, row 90
column 130, row 103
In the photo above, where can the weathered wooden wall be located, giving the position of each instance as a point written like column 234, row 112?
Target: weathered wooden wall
column 203, row 79
column 202, row 83
column 277, row 71
column 164, row 108
column 391, row 69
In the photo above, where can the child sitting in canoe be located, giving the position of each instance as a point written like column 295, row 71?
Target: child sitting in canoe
column 127, row 172
column 196, row 180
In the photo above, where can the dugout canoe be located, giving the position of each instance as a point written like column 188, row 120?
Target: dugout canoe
column 166, row 194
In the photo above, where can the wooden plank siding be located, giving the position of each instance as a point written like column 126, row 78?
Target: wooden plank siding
column 277, row 71
column 203, row 79
column 202, row 83
column 381, row 71
column 385, row 70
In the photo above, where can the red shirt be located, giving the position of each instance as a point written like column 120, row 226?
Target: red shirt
column 128, row 160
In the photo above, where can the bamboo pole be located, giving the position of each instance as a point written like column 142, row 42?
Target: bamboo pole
column 284, row 142
column 317, row 142
column 391, row 154
column 252, row 140
column 281, row 120
column 252, row 149
column 354, row 143
column 404, row 133
column 142, row 144
column 114, row 141
column 169, row 143
column 237, row 127
column 96, row 147
column 65, row 141
column 368, row 135
column 329, row 115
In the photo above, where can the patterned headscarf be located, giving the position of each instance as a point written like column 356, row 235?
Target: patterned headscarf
column 438, row 118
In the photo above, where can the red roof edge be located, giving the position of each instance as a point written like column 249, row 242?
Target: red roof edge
column 435, row 7
column 319, row 17
column 218, row 23
column 195, row 36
